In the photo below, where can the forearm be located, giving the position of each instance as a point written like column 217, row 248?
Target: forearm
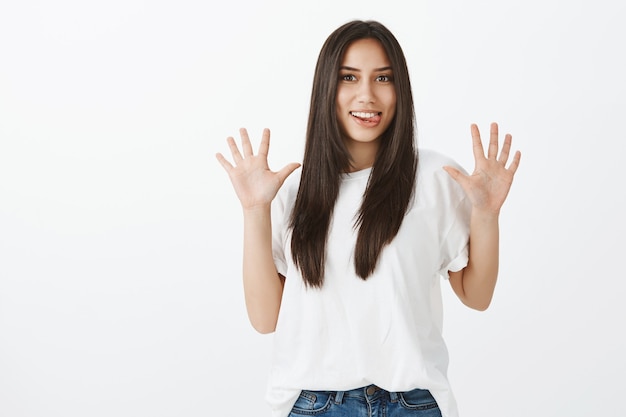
column 262, row 285
column 480, row 275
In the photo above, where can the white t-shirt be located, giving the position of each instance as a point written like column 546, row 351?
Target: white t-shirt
column 385, row 330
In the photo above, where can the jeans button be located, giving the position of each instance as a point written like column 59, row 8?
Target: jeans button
column 371, row 390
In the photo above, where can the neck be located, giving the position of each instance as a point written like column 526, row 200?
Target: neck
column 362, row 155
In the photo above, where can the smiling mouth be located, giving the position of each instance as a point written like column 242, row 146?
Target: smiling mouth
column 365, row 115
column 367, row 118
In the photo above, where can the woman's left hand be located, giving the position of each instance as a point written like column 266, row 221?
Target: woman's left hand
column 488, row 186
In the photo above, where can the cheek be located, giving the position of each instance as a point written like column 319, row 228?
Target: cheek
column 343, row 99
column 391, row 99
column 392, row 105
column 340, row 112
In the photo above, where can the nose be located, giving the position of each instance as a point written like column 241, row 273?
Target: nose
column 365, row 92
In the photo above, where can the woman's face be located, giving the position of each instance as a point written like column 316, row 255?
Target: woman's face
column 366, row 99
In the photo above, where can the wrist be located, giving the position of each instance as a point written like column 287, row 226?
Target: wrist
column 256, row 210
column 485, row 215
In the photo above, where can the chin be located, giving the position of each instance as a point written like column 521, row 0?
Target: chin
column 367, row 138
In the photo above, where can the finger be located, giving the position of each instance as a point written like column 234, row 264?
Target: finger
column 246, row 146
column 506, row 148
column 264, row 146
column 492, row 152
column 477, row 144
column 515, row 162
column 227, row 165
column 234, row 150
column 287, row 170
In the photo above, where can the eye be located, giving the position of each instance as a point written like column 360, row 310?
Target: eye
column 384, row 78
column 347, row 77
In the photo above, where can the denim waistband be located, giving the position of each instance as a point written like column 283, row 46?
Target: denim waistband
column 367, row 392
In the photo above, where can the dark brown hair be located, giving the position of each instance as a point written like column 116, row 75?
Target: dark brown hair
column 326, row 158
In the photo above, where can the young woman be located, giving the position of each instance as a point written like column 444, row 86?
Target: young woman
column 343, row 260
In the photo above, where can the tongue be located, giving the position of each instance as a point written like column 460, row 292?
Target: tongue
column 374, row 119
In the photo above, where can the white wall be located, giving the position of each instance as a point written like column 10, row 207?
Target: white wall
column 120, row 237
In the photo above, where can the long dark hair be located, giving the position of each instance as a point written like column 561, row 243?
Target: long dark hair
column 326, row 158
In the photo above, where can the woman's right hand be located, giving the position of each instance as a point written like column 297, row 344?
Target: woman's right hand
column 255, row 184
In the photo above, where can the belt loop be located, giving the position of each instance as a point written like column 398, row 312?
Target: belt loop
column 339, row 397
column 393, row 396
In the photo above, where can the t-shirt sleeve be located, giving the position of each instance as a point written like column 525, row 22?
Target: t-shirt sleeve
column 279, row 230
column 456, row 210
column 455, row 243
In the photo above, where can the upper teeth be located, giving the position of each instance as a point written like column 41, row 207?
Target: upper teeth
column 363, row 114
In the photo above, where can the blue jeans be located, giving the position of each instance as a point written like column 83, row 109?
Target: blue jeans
column 369, row 401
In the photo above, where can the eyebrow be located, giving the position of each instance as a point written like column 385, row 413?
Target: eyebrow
column 345, row 67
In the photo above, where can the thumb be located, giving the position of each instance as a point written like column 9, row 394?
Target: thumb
column 454, row 173
column 287, row 170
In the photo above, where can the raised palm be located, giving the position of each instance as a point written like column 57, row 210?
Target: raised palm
column 254, row 183
column 488, row 186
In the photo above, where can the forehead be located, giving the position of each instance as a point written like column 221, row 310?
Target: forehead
column 365, row 53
